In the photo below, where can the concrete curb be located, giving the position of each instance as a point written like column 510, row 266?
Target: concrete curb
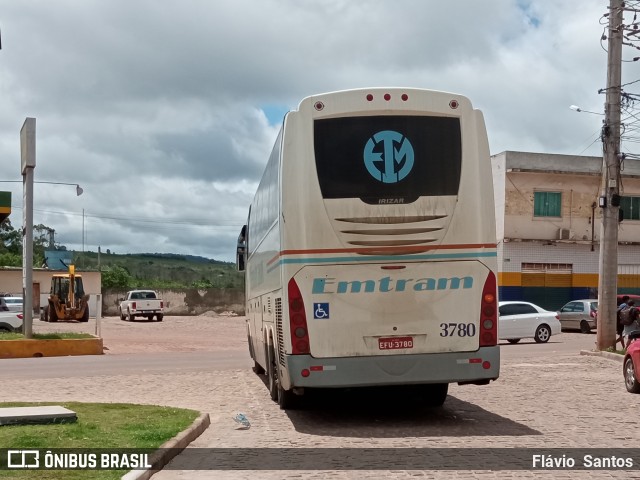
column 171, row 448
column 33, row 347
column 610, row 355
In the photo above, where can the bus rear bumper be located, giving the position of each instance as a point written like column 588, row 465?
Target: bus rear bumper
column 479, row 367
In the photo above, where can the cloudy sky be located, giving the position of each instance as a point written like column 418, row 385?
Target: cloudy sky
column 165, row 112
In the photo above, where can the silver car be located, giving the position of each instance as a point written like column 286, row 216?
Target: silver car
column 579, row 315
column 14, row 303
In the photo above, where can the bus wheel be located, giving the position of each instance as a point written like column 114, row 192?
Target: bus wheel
column 435, row 394
column 287, row 399
column 272, row 375
column 257, row 368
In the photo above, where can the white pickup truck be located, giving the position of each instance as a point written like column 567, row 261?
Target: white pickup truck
column 141, row 303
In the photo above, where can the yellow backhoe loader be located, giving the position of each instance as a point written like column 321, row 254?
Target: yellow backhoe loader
column 67, row 300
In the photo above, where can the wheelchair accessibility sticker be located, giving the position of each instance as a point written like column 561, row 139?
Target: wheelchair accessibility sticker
column 320, row 310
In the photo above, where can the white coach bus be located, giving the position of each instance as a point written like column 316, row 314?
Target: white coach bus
column 370, row 247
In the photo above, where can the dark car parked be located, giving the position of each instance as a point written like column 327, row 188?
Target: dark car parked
column 635, row 298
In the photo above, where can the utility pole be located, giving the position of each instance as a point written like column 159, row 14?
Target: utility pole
column 610, row 188
column 83, row 238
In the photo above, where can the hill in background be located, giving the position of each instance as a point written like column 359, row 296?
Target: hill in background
column 160, row 270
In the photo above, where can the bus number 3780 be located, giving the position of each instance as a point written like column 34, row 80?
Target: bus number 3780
column 457, row 330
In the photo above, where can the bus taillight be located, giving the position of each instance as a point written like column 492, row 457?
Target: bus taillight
column 297, row 321
column 488, row 313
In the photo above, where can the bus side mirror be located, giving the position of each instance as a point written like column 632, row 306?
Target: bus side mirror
column 241, row 252
column 240, row 259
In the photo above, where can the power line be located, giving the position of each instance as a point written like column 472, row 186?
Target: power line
column 187, row 222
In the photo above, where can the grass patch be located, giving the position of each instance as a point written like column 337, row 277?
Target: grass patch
column 45, row 336
column 99, row 425
column 613, row 350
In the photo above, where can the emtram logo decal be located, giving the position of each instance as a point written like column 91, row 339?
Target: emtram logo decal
column 324, row 285
column 393, row 163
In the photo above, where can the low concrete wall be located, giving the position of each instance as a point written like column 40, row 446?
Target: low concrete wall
column 184, row 302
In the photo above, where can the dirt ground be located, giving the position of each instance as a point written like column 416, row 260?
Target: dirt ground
column 207, row 332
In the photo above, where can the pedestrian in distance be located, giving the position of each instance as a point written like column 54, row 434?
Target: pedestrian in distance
column 619, row 325
column 629, row 317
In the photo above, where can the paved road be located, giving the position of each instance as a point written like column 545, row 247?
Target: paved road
column 547, row 396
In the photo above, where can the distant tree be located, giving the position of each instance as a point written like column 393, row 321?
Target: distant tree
column 116, row 277
column 10, row 238
column 11, row 244
column 10, row 259
column 202, row 284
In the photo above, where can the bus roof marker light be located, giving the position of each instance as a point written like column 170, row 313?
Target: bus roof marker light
column 454, row 104
column 318, row 106
column 405, row 97
column 369, row 97
column 387, row 97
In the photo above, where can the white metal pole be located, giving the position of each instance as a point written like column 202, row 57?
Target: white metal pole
column 28, row 164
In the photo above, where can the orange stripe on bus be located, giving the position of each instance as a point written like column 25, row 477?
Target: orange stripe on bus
column 382, row 250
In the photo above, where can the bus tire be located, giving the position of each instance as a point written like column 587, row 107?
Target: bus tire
column 257, row 368
column 287, row 399
column 435, row 394
column 272, row 374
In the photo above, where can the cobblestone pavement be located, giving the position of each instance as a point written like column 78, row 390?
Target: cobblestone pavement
column 558, row 400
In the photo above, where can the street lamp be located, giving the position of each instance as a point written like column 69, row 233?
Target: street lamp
column 79, row 190
column 578, row 109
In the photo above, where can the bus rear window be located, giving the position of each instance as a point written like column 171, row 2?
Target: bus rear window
column 388, row 159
